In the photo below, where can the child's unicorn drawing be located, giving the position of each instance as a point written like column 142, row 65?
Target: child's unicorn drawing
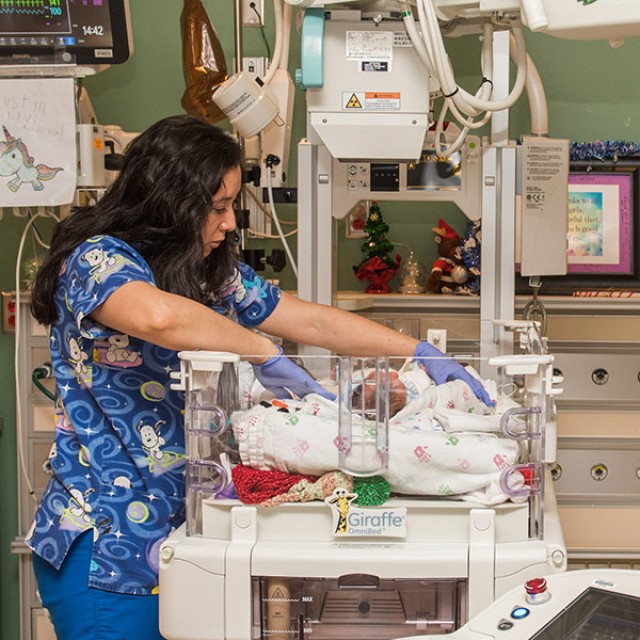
column 15, row 160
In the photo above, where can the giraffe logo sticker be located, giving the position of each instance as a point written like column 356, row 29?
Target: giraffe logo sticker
column 351, row 521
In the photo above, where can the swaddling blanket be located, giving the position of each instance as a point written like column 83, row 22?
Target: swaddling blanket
column 301, row 436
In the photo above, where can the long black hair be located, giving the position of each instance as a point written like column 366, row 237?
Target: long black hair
column 158, row 204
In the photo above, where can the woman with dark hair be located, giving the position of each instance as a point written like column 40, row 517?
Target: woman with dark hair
column 148, row 271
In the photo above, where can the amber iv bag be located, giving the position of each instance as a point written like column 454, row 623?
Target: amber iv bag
column 203, row 62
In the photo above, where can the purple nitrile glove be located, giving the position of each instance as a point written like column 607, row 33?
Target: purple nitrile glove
column 442, row 368
column 287, row 380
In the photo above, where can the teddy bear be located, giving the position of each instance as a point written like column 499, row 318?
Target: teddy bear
column 448, row 271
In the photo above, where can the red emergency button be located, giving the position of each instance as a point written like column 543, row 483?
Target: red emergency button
column 537, row 585
column 536, row 589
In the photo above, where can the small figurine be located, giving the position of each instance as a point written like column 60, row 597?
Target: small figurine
column 412, row 276
column 448, row 272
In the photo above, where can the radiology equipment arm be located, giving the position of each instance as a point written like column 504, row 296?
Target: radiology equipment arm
column 141, row 310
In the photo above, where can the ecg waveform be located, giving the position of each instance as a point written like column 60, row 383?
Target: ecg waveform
column 33, row 7
column 30, row 7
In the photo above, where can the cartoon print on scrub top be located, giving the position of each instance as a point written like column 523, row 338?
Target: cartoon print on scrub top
column 116, row 350
column 102, row 264
column 249, row 293
column 77, row 514
column 77, row 359
column 159, row 461
column 138, row 492
column 234, row 288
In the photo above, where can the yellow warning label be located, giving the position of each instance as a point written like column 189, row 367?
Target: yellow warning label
column 353, row 102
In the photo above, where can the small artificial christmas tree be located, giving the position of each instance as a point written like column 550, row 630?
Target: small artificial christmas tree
column 378, row 267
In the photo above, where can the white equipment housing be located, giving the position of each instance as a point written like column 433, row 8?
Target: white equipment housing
column 374, row 100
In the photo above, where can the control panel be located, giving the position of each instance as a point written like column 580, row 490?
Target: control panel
column 597, row 604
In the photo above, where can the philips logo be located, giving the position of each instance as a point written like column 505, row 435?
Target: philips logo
column 350, row 521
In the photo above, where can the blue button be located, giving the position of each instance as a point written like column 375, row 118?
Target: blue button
column 520, row 612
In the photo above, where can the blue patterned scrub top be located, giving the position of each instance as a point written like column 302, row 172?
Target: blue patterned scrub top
column 118, row 460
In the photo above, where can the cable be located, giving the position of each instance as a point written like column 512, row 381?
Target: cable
column 277, row 51
column 43, row 372
column 262, row 32
column 271, row 160
column 270, row 236
column 37, row 235
column 471, row 111
column 264, row 209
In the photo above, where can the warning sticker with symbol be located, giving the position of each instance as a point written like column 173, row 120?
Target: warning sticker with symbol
column 353, row 100
column 371, row 100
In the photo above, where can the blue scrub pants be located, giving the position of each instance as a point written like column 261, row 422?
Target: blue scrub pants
column 79, row 612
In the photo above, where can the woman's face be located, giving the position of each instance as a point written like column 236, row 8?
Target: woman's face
column 222, row 217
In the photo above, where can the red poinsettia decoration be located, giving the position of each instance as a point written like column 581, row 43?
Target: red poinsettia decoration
column 378, row 273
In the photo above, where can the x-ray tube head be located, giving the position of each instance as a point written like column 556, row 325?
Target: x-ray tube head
column 249, row 108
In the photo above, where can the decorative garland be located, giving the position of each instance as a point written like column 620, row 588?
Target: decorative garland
column 372, row 491
column 470, row 253
column 603, row 150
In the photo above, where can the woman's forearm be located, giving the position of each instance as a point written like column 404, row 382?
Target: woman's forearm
column 174, row 322
column 336, row 330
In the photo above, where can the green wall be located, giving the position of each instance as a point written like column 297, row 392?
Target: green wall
column 593, row 92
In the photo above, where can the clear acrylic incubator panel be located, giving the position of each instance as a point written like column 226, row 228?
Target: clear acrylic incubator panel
column 388, row 420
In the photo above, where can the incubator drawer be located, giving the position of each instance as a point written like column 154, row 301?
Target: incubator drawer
column 355, row 606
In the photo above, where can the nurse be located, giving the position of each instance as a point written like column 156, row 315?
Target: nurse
column 148, row 271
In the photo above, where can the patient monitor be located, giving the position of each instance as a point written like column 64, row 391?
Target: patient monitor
column 54, row 32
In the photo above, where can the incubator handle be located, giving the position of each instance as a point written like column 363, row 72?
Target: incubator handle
column 529, row 483
column 519, row 435
column 358, row 581
column 208, row 420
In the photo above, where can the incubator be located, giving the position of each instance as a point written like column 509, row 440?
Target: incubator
column 466, row 514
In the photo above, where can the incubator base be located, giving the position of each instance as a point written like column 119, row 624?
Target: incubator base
column 279, row 572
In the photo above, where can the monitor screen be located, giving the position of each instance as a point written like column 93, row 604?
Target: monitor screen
column 64, row 31
column 595, row 615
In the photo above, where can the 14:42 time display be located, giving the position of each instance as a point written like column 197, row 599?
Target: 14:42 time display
column 97, row 30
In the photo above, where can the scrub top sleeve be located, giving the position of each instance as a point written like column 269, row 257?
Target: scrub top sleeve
column 92, row 272
column 253, row 298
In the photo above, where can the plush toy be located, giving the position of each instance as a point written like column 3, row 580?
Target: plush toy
column 448, row 271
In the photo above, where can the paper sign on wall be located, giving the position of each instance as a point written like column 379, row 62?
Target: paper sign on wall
column 38, row 157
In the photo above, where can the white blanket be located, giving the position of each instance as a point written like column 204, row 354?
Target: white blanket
column 430, row 452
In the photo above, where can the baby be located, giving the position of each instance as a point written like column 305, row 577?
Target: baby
column 365, row 395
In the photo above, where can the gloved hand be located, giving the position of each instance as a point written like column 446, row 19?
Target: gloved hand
column 286, row 379
column 442, row 369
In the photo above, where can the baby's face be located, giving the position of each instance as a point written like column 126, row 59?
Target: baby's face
column 364, row 396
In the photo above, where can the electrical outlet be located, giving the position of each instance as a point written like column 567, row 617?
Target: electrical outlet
column 8, row 312
column 256, row 67
column 252, row 13
column 438, row 338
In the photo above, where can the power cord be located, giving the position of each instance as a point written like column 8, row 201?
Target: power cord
column 43, row 372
